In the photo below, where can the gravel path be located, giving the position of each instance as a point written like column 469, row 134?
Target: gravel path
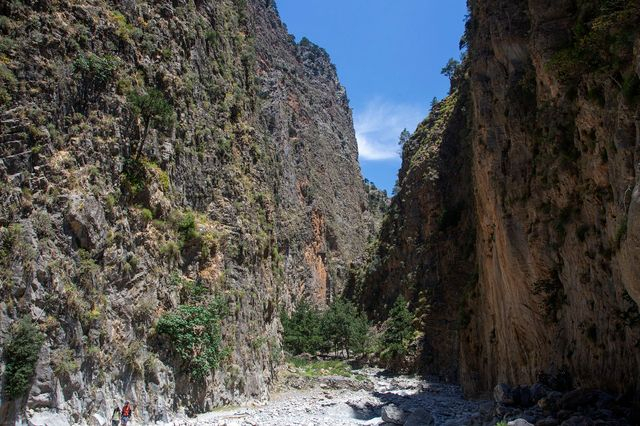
column 341, row 401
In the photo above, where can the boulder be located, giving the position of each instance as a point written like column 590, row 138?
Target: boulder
column 550, row 402
column 393, row 414
column 48, row 418
column 503, row 394
column 420, row 417
column 85, row 220
column 524, row 396
column 99, row 420
column 580, row 398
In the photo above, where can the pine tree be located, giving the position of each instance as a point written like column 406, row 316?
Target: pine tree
column 345, row 328
column 404, row 138
column 399, row 329
column 302, row 332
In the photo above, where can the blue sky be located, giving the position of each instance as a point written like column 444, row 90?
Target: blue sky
column 389, row 54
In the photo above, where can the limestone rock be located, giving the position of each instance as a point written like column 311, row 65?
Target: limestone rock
column 86, row 221
column 250, row 188
column 48, row 418
column 391, row 413
column 551, row 226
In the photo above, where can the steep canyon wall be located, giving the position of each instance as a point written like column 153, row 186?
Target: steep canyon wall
column 245, row 188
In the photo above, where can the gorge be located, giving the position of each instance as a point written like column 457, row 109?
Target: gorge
column 177, row 173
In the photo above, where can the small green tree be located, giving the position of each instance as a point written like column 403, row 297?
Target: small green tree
column 21, row 350
column 150, row 109
column 404, row 138
column 450, row 69
column 453, row 70
column 302, row 331
column 399, row 330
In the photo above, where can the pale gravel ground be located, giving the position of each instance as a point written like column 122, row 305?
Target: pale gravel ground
column 323, row 406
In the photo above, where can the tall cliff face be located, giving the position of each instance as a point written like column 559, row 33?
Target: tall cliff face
column 157, row 155
column 323, row 213
column 551, row 189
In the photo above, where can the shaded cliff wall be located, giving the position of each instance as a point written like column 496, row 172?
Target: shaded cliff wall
column 555, row 148
column 551, row 201
column 249, row 192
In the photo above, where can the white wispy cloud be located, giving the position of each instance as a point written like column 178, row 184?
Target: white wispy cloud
column 379, row 125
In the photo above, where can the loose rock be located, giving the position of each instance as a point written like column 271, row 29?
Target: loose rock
column 393, row 414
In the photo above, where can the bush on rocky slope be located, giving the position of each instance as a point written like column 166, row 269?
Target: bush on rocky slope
column 194, row 331
column 21, row 351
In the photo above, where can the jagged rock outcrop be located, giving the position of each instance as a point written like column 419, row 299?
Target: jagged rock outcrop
column 545, row 185
column 157, row 155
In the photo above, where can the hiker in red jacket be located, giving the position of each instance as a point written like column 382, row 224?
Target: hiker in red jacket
column 126, row 413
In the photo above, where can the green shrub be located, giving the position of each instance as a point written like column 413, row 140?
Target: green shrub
column 195, row 335
column 96, row 71
column 603, row 38
column 8, row 82
column 212, row 38
column 21, row 351
column 186, row 225
column 134, row 177
column 123, row 29
column 171, row 250
column 147, row 215
column 64, row 362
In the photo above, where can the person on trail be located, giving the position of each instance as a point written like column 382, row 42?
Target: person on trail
column 126, row 413
column 115, row 417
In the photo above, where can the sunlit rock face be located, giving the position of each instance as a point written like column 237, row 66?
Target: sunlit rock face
column 246, row 188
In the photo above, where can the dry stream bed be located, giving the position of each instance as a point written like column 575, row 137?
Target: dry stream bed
column 315, row 396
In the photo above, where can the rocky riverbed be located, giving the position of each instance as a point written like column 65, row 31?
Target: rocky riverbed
column 330, row 393
column 368, row 398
